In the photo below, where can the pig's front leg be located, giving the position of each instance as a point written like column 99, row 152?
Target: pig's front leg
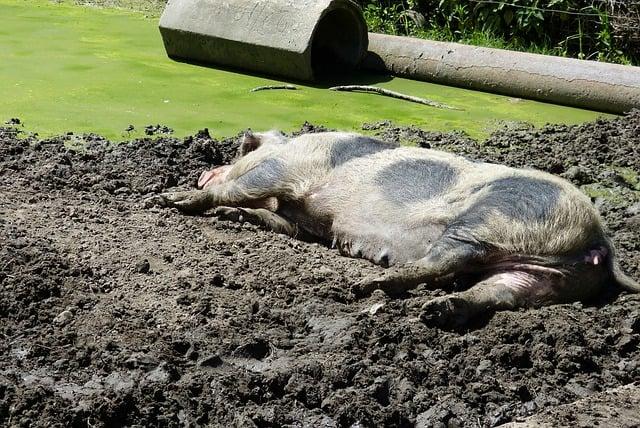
column 189, row 201
column 260, row 217
column 267, row 179
column 447, row 256
column 199, row 201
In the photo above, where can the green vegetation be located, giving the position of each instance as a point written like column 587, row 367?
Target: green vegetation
column 630, row 177
column 150, row 8
column 627, row 178
column 588, row 29
column 615, row 197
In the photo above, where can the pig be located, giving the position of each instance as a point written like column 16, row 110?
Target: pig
column 515, row 237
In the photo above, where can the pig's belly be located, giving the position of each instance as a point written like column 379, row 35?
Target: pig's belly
column 384, row 243
column 366, row 224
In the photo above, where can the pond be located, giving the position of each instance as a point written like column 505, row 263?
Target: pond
column 87, row 69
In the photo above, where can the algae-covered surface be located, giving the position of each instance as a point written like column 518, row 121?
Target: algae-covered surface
column 66, row 67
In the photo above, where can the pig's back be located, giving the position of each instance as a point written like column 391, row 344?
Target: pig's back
column 402, row 200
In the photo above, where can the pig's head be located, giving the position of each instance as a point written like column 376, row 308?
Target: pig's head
column 251, row 142
column 253, row 148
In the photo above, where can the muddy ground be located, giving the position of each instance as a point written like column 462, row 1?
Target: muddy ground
column 115, row 314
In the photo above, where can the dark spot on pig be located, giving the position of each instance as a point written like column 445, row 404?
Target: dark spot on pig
column 519, row 198
column 455, row 250
column 267, row 174
column 356, row 147
column 383, row 258
column 414, row 180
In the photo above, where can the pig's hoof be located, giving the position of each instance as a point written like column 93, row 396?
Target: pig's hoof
column 445, row 311
column 230, row 214
column 365, row 287
column 387, row 283
column 155, row 201
column 190, row 201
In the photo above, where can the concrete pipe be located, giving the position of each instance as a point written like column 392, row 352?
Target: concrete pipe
column 585, row 84
column 298, row 39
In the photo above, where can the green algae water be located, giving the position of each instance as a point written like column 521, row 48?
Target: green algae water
column 85, row 69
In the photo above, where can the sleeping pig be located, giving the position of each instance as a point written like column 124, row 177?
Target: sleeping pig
column 523, row 238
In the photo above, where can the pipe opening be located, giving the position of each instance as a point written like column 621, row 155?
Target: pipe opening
column 338, row 43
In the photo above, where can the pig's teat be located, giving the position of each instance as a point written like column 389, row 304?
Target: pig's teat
column 596, row 257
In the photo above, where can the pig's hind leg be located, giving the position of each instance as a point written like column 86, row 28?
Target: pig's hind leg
column 520, row 284
column 497, row 292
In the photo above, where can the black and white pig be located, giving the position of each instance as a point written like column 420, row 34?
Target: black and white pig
column 523, row 238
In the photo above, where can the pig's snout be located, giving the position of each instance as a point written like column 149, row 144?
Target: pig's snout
column 214, row 176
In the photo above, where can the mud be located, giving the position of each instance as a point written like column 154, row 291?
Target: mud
column 112, row 314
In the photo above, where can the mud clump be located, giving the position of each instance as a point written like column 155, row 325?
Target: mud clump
column 115, row 314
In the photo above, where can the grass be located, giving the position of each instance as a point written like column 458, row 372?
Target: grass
column 462, row 26
column 87, row 69
column 150, row 8
column 484, row 39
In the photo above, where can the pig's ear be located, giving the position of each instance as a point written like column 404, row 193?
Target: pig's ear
column 250, row 142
